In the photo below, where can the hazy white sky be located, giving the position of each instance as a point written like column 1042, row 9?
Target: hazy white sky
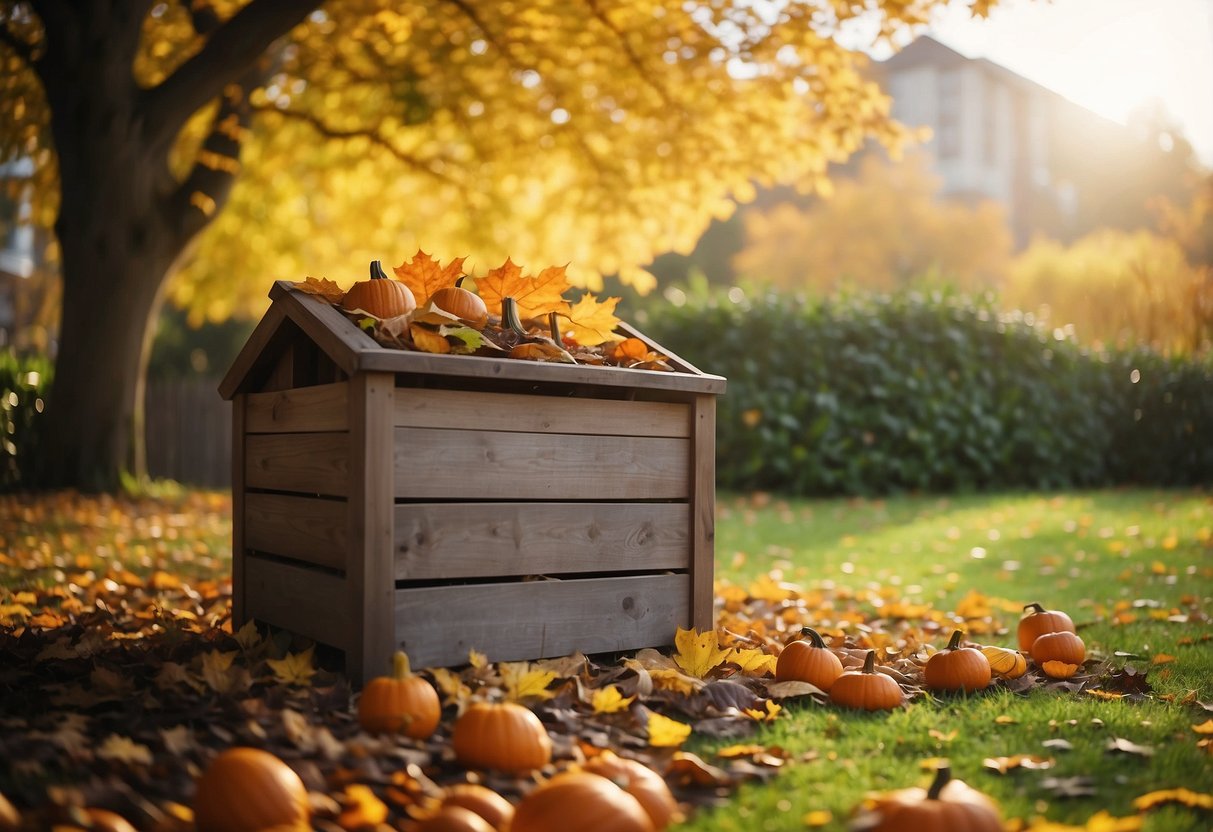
column 1110, row 56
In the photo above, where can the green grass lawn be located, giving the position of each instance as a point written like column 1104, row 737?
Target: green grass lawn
column 1121, row 562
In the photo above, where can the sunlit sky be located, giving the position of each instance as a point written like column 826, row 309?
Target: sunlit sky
column 1110, row 56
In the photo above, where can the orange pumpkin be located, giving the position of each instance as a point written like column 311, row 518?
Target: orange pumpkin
column 577, row 801
column 809, row 661
column 402, row 702
column 947, row 806
column 248, row 790
column 957, row 668
column 380, row 296
column 495, row 809
column 1005, row 663
column 866, row 689
column 642, row 783
column 1039, row 621
column 462, row 304
column 503, row 736
column 1059, row 647
column 454, row 819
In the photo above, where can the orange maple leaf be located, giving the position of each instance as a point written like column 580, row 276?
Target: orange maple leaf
column 322, row 288
column 425, row 276
column 593, row 320
column 535, row 296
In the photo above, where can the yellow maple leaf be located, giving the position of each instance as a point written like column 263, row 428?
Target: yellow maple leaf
column 125, row 750
column 698, row 652
column 609, row 700
column 753, row 662
column 1205, row 727
column 768, row 715
column 477, row 659
column 322, row 288
column 523, row 681
column 248, row 636
column 362, row 808
column 424, row 276
column 217, row 670
column 817, row 817
column 593, row 321
column 450, row 685
column 535, row 296
column 295, row 669
column 667, row 733
column 1187, row 797
column 668, row 679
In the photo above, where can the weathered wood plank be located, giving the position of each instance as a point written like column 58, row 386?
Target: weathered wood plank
column 371, row 586
column 437, row 626
column 239, row 582
column 472, row 410
column 703, row 515
column 452, row 540
column 296, row 598
column 306, row 409
column 257, row 350
column 310, row 463
column 338, row 336
column 678, row 363
column 303, row 528
column 434, row 463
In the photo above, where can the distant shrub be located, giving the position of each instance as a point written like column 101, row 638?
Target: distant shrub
column 24, row 382
column 871, row 393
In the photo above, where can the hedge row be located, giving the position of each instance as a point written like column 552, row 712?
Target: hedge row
column 931, row 391
column 23, row 385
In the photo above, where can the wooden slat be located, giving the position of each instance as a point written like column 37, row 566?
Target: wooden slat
column 254, row 352
column 473, row 410
column 307, row 409
column 309, row 463
column 239, row 581
column 437, row 626
column 703, row 512
column 338, row 336
column 452, row 540
column 370, row 565
column 455, row 464
column 678, row 363
column 302, row 528
column 304, row 601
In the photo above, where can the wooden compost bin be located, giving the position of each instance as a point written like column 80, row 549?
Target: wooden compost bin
column 386, row 499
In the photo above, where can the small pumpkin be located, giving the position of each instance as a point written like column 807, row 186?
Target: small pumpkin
column 462, row 303
column 1039, row 621
column 248, row 790
column 103, row 820
column 454, row 819
column 809, row 660
column 1064, row 647
column 380, row 296
column 866, row 689
column 504, row 736
column 403, row 702
column 946, row 805
column 1005, row 663
column 957, row 668
column 577, row 801
column 642, row 783
column 495, row 809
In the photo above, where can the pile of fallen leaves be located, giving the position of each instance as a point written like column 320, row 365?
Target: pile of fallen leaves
column 120, row 680
column 546, row 327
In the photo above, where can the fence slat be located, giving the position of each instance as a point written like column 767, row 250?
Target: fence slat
column 188, row 430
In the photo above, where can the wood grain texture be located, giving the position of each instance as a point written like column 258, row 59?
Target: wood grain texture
column 310, row 463
column 452, row 540
column 307, row 409
column 304, row 601
column 437, row 626
column 302, row 528
column 435, row 463
column 371, row 585
column 472, row 410
column 239, row 582
column 703, row 512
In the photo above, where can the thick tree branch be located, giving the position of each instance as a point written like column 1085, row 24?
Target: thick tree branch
column 228, row 53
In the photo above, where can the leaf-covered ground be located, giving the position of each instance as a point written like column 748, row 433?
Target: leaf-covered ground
column 120, row 677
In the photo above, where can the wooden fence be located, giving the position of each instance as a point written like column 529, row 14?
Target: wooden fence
column 189, row 432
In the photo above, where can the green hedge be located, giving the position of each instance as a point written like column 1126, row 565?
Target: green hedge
column 932, row 391
column 23, row 385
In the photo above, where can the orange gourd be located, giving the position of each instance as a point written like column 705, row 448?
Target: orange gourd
column 1005, row 663
column 946, row 806
column 380, row 296
column 1039, row 621
column 453, row 819
column 248, row 790
column 495, row 809
column 577, row 801
column 1063, row 647
column 866, row 689
column 503, row 736
column 809, row 661
column 642, row 783
column 462, row 304
column 402, row 702
column 957, row 668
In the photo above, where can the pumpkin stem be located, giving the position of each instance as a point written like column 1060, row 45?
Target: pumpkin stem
column 377, row 272
column 400, row 665
column 554, row 326
column 459, row 281
column 1036, row 609
column 814, row 637
column 869, row 662
column 509, row 316
column 943, row 775
column 954, row 642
